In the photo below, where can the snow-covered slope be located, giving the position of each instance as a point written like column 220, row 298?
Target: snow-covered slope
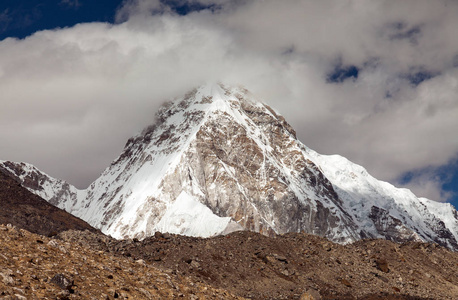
column 383, row 211
column 218, row 160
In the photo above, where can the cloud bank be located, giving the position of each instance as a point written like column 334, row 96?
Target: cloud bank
column 375, row 81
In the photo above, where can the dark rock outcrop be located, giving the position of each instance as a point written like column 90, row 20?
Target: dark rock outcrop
column 24, row 209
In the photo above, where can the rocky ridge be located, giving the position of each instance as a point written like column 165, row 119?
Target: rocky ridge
column 22, row 208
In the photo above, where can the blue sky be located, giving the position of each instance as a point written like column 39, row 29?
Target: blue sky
column 23, row 18
column 372, row 81
column 446, row 175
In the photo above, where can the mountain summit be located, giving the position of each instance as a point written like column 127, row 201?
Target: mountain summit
column 217, row 160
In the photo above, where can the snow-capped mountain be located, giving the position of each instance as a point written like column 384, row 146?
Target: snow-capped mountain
column 218, row 160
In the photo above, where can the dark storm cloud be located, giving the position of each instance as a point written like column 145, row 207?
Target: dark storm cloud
column 372, row 80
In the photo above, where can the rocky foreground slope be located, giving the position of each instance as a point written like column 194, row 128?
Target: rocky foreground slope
column 85, row 265
column 37, row 267
column 21, row 208
column 218, row 160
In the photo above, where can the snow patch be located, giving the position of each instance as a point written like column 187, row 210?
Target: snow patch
column 187, row 216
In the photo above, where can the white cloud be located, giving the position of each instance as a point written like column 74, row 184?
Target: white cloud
column 428, row 183
column 75, row 95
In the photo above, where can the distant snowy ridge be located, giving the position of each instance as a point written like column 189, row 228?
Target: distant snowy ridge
column 56, row 191
column 364, row 196
column 218, row 160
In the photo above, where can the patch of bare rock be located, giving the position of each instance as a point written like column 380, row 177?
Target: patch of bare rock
column 37, row 267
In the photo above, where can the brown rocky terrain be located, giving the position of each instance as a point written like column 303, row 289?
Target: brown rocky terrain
column 37, row 267
column 294, row 266
column 26, row 210
column 88, row 265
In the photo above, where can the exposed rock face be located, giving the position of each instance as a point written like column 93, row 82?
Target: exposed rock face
column 392, row 227
column 244, row 163
column 217, row 160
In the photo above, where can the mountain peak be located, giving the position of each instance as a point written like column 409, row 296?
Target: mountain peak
column 218, row 160
column 219, row 148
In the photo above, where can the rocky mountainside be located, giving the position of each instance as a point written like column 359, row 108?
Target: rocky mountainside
column 24, row 209
column 218, row 160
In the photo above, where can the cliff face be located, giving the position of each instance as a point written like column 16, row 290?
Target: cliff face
column 218, row 160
